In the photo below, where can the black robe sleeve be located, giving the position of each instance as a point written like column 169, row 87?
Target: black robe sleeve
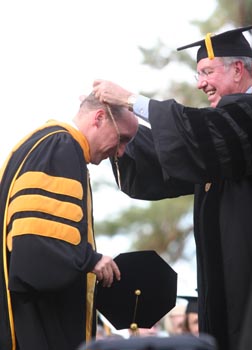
column 188, row 146
column 205, row 144
column 141, row 173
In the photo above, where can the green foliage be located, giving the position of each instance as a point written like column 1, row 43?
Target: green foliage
column 155, row 226
column 228, row 12
column 157, row 56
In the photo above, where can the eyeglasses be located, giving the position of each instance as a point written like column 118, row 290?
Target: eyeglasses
column 117, row 147
column 205, row 73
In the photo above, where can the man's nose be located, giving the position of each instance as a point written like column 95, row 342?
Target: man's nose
column 202, row 82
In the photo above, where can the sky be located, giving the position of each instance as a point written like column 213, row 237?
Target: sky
column 53, row 50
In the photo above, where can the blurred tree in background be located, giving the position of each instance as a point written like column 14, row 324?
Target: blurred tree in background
column 164, row 225
column 161, row 225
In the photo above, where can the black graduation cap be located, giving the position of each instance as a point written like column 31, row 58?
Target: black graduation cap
column 146, row 292
column 192, row 303
column 179, row 342
column 227, row 44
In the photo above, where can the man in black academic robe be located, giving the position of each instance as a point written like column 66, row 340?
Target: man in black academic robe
column 206, row 152
column 45, row 229
column 222, row 208
column 48, row 259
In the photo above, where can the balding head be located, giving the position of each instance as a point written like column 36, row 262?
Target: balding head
column 107, row 128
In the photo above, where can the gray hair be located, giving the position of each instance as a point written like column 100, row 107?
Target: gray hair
column 247, row 61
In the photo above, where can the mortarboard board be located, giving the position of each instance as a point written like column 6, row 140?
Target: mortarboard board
column 179, row 342
column 227, row 44
column 146, row 292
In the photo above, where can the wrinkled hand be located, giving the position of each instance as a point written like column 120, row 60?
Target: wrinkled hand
column 105, row 270
column 111, row 93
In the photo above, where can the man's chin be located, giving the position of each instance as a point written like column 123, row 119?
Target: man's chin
column 214, row 103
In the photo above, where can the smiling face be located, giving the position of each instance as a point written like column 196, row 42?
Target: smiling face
column 217, row 79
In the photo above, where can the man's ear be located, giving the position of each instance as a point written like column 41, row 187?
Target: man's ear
column 239, row 68
column 99, row 117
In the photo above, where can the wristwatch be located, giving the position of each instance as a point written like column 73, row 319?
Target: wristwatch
column 131, row 101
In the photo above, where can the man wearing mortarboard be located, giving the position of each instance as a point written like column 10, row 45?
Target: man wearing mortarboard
column 206, row 152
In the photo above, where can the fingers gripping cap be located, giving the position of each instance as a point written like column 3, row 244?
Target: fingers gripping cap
column 228, row 44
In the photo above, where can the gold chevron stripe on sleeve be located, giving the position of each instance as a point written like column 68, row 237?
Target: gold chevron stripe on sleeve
column 54, row 184
column 52, row 206
column 43, row 227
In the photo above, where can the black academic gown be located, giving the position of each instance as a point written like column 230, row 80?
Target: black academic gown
column 47, row 243
column 206, row 152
